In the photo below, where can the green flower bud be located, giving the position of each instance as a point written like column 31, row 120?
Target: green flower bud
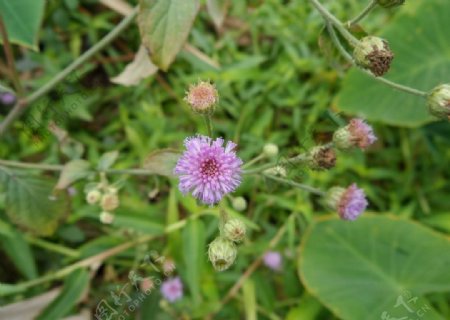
column 106, row 217
column 373, row 53
column 109, row 202
column 202, row 97
column 321, row 158
column 390, row 3
column 234, row 230
column 333, row 197
column 239, row 204
column 438, row 102
column 270, row 150
column 222, row 253
column 93, row 196
column 276, row 171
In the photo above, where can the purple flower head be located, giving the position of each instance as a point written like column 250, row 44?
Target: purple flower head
column 7, row 98
column 272, row 259
column 172, row 289
column 352, row 203
column 208, row 169
column 361, row 133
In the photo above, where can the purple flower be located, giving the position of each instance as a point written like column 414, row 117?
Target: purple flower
column 352, row 203
column 361, row 133
column 207, row 169
column 172, row 289
column 272, row 259
column 7, row 98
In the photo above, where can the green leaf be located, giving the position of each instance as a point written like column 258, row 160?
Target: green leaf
column 22, row 19
column 73, row 171
column 32, row 203
column 74, row 287
column 162, row 162
column 420, row 41
column 372, row 263
column 194, row 248
column 165, row 26
column 107, row 160
column 248, row 289
column 18, row 250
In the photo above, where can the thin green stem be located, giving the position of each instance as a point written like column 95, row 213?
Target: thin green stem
column 52, row 247
column 57, row 167
column 208, row 123
column 297, row 185
column 372, row 4
column 349, row 58
column 23, row 104
column 254, row 160
column 10, row 58
column 335, row 22
column 294, row 160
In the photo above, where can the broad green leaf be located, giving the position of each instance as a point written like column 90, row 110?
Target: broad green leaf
column 74, row 286
column 22, row 19
column 419, row 38
column 165, row 26
column 136, row 71
column 18, row 250
column 372, row 264
column 107, row 160
column 439, row 221
column 32, row 203
column 194, row 248
column 73, row 171
column 217, row 9
column 162, row 161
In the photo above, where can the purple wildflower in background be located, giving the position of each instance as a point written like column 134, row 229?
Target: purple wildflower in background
column 352, row 203
column 7, row 98
column 362, row 133
column 208, row 169
column 272, row 259
column 172, row 289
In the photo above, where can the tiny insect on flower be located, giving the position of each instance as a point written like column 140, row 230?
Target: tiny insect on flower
column 208, row 169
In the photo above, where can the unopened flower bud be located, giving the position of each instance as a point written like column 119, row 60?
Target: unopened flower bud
column 168, row 266
column 390, row 3
column 321, row 158
column 234, row 230
column 348, row 202
column 112, row 190
column 106, row 217
column 356, row 134
column 109, row 202
column 222, row 253
column 270, row 150
column 93, row 196
column 373, row 53
column 276, row 171
column 202, row 97
column 147, row 284
column 239, row 204
column 438, row 101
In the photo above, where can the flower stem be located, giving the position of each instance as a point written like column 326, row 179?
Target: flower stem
column 350, row 59
column 10, row 58
column 372, row 4
column 209, row 125
column 297, row 185
column 52, row 247
column 23, row 104
column 254, row 160
column 335, row 22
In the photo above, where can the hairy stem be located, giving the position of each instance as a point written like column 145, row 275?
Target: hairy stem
column 209, row 125
column 297, row 185
column 372, row 4
column 23, row 104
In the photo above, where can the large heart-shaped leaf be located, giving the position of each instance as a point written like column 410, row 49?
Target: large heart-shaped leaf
column 375, row 267
column 418, row 35
column 165, row 26
column 32, row 203
column 22, row 19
